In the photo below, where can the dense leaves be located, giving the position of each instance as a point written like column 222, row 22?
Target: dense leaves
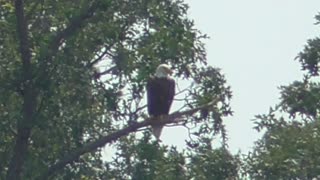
column 210, row 86
column 310, row 57
column 147, row 160
column 289, row 148
column 301, row 98
column 72, row 72
column 209, row 163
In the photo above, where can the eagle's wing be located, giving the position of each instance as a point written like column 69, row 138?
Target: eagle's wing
column 171, row 94
column 150, row 96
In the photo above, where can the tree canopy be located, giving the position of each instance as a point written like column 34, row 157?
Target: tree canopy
column 289, row 148
column 73, row 77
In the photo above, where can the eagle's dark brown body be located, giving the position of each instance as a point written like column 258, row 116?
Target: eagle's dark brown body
column 160, row 95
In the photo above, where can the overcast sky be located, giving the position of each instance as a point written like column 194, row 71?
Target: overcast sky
column 254, row 42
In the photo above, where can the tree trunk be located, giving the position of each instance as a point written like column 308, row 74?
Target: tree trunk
column 24, row 124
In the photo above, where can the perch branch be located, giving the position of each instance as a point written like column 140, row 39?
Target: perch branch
column 92, row 146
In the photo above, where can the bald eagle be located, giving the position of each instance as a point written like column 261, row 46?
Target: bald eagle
column 160, row 93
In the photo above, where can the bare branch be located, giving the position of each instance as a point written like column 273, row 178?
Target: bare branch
column 182, row 107
column 106, row 71
column 99, row 58
column 90, row 147
column 75, row 24
column 140, row 108
column 189, row 132
column 185, row 89
column 13, row 131
column 180, row 99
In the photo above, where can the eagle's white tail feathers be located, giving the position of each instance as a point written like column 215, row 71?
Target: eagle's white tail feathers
column 156, row 130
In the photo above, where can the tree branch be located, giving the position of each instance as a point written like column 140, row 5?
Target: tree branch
column 185, row 89
column 106, row 71
column 99, row 58
column 75, row 24
column 171, row 119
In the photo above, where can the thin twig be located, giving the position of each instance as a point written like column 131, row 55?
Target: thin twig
column 105, row 52
column 176, row 99
column 185, row 89
column 182, row 107
column 189, row 132
column 107, row 71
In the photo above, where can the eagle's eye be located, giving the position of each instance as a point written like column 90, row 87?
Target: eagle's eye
column 169, row 71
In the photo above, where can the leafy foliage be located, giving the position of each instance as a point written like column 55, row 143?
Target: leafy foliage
column 82, row 67
column 309, row 57
column 147, row 160
column 301, row 98
column 289, row 148
column 208, row 163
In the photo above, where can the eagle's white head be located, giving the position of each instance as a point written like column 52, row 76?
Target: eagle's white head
column 163, row 70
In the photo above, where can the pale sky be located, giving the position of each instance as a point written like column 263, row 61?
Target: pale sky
column 254, row 42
